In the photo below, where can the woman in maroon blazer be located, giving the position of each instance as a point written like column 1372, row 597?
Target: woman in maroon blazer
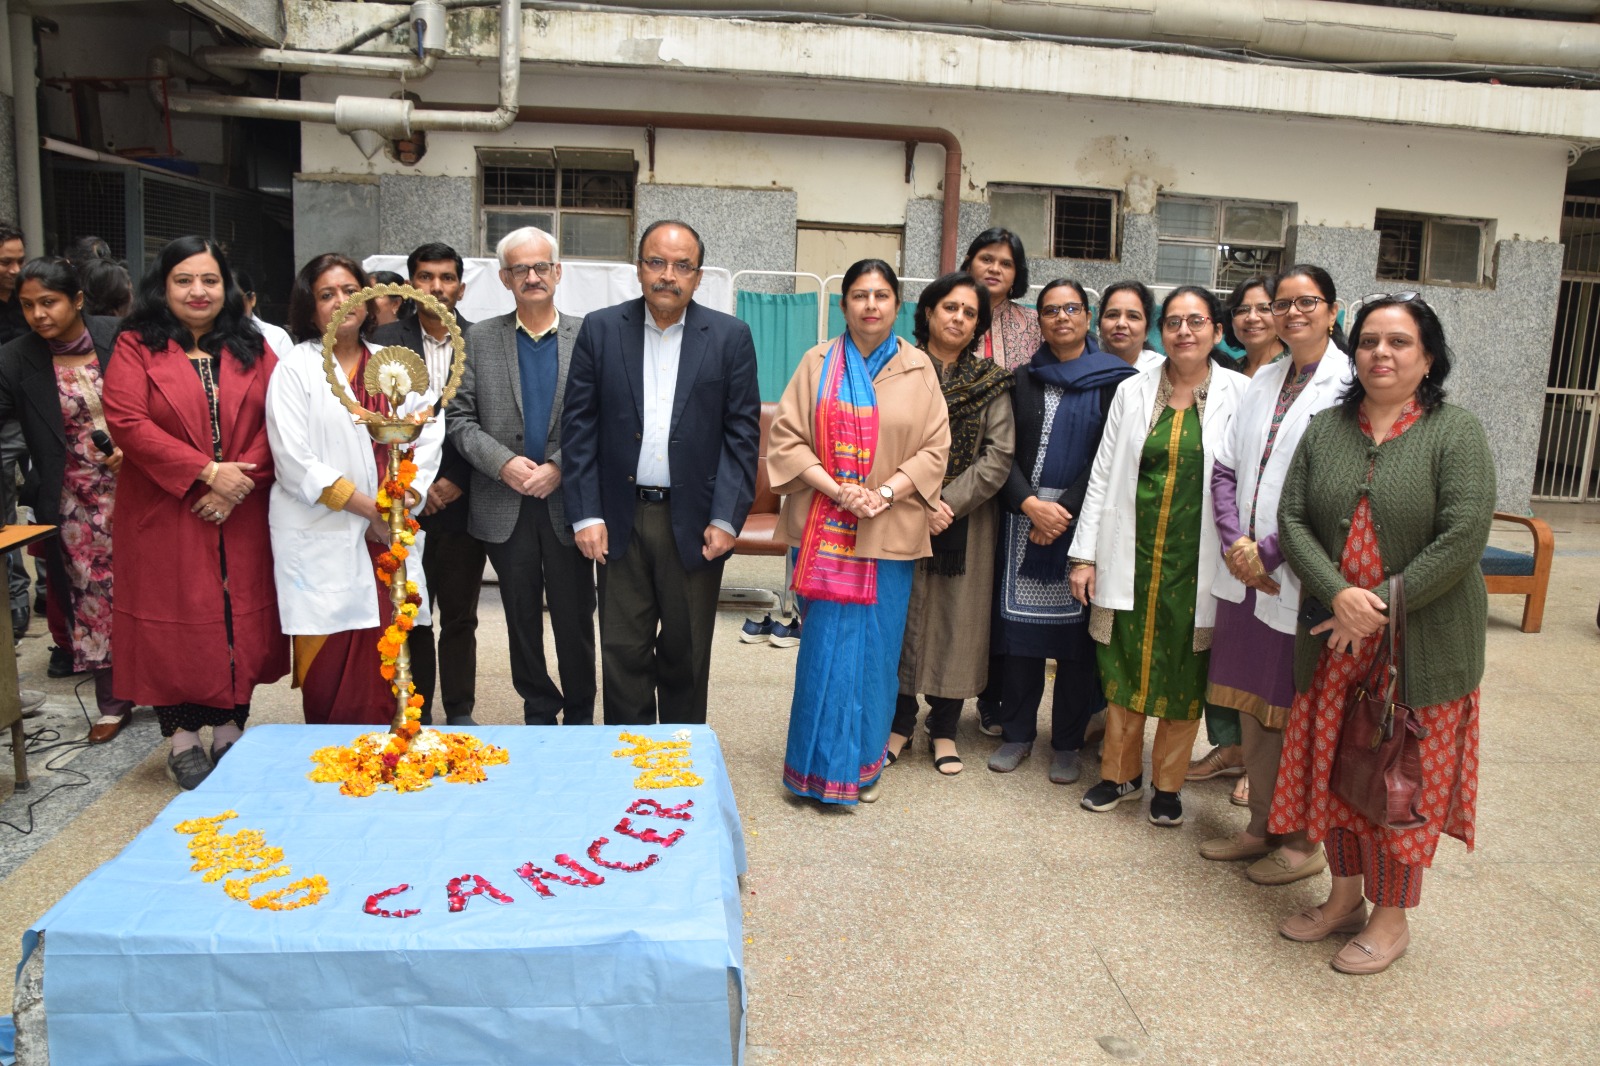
column 196, row 614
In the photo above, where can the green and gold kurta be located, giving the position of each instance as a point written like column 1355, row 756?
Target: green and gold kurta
column 1150, row 666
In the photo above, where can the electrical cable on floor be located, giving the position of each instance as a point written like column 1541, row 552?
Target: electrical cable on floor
column 48, row 738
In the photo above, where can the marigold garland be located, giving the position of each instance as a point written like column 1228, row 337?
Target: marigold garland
column 665, row 763
column 408, row 761
column 216, row 855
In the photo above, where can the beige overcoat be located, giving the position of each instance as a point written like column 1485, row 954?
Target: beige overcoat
column 913, row 437
column 946, row 650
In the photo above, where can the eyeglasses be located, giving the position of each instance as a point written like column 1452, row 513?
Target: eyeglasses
column 1306, row 304
column 1391, row 297
column 520, row 271
column 1195, row 322
column 1244, row 309
column 658, row 265
column 1057, row 310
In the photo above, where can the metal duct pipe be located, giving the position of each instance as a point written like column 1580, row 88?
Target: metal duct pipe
column 25, row 128
column 390, row 118
column 1309, row 29
column 950, row 213
column 220, row 58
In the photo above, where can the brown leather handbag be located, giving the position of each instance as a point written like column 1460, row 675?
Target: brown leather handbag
column 1377, row 768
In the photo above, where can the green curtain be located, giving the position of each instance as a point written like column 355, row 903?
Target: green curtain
column 784, row 326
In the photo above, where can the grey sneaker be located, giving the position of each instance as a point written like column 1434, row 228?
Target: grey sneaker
column 986, row 723
column 1065, row 766
column 188, row 768
column 1008, row 756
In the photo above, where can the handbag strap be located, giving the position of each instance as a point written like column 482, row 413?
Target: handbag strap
column 1397, row 636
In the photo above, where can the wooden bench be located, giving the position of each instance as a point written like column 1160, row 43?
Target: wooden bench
column 1519, row 573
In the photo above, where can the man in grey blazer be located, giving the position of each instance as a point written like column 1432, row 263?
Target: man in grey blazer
column 506, row 420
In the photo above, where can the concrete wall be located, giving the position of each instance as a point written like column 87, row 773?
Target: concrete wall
column 1336, row 173
column 746, row 192
column 1500, row 336
column 744, row 229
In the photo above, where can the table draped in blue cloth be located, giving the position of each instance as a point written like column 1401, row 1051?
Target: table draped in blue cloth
column 144, row 962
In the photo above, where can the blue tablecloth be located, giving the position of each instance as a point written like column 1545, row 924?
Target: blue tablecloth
column 146, row 963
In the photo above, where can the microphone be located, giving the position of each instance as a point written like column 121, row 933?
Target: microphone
column 102, row 440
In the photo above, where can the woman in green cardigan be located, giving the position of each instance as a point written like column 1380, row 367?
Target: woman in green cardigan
column 1392, row 481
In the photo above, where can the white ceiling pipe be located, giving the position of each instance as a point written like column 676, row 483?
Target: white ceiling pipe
column 226, row 58
column 1309, row 29
column 361, row 116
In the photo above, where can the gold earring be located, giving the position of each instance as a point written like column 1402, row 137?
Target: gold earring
column 1330, row 330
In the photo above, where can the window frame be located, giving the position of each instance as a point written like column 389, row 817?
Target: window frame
column 557, row 161
column 1484, row 226
column 1217, row 241
column 1049, row 194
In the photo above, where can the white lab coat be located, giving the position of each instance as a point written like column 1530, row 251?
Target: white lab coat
column 320, row 562
column 1242, row 453
column 1107, row 522
column 277, row 337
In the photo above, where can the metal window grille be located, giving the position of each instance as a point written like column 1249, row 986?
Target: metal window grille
column 1566, row 465
column 588, row 208
column 1430, row 250
column 1218, row 243
column 519, row 186
column 137, row 211
column 1085, row 227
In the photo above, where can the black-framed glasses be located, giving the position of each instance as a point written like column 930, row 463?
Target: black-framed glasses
column 1058, row 310
column 657, row 265
column 1264, row 310
column 520, row 271
column 1393, row 297
column 1195, row 322
column 1303, row 304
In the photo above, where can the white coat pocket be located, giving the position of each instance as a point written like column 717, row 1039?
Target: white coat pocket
column 319, row 562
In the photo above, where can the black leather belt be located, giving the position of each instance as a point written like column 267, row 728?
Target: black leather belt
column 652, row 494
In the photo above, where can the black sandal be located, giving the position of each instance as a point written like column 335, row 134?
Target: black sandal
column 940, row 762
column 890, row 757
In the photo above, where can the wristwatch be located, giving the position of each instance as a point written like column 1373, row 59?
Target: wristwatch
column 887, row 492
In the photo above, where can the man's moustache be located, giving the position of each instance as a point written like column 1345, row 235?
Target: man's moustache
column 666, row 286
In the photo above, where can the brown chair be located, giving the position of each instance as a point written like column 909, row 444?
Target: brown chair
column 760, row 532
column 1521, row 574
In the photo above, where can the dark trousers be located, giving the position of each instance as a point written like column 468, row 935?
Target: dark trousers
column 534, row 566
column 944, row 713
column 656, row 622
column 1077, row 698
column 994, row 688
column 452, row 562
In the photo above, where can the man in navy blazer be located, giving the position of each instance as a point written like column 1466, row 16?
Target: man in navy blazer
column 659, row 433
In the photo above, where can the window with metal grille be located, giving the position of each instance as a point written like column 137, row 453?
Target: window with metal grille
column 1060, row 223
column 1218, row 243
column 583, row 196
column 1430, row 249
column 1085, row 226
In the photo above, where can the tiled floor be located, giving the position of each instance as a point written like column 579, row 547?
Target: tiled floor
column 987, row 919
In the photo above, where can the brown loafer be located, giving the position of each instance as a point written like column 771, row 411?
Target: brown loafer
column 106, row 728
column 1213, row 764
column 1311, row 925
column 1360, row 956
column 1275, row 869
column 1232, row 849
